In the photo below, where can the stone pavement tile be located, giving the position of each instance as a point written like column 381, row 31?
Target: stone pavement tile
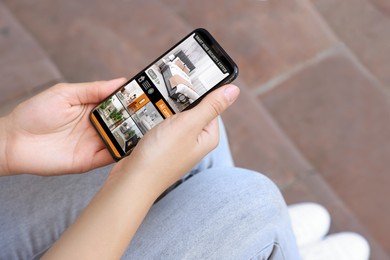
column 365, row 27
column 264, row 37
column 100, row 40
column 340, row 120
column 23, row 64
column 258, row 144
column 313, row 188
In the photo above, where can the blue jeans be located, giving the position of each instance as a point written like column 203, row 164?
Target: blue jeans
column 221, row 212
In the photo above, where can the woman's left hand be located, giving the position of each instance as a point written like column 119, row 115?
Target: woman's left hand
column 50, row 134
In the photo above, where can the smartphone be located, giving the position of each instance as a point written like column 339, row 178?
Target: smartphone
column 174, row 82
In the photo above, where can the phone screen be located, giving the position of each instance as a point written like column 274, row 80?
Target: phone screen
column 170, row 85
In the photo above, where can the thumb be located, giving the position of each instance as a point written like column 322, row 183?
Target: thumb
column 214, row 104
column 93, row 92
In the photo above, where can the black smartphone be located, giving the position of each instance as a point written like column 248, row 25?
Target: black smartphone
column 176, row 81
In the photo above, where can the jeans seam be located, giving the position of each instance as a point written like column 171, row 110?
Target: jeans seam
column 41, row 252
column 273, row 244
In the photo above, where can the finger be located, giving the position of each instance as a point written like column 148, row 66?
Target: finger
column 213, row 105
column 94, row 92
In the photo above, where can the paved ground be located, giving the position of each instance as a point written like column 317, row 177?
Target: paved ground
column 314, row 114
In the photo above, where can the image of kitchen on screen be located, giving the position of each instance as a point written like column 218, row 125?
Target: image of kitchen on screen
column 174, row 82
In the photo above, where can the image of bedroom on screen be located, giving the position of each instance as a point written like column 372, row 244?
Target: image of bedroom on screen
column 113, row 112
column 185, row 74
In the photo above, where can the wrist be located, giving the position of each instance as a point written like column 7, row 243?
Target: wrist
column 147, row 184
column 4, row 169
column 127, row 185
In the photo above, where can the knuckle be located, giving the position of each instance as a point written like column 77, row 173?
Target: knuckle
column 217, row 107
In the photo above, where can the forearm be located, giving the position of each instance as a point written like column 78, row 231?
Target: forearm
column 3, row 146
column 108, row 223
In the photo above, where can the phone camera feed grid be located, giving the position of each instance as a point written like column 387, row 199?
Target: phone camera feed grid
column 178, row 79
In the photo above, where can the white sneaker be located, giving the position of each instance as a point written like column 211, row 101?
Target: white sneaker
column 340, row 246
column 310, row 222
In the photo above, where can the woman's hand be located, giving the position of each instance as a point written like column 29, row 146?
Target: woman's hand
column 173, row 147
column 50, row 134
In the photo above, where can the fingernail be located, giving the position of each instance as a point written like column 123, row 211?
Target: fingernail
column 231, row 93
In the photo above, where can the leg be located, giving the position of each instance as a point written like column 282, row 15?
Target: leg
column 220, row 213
column 35, row 211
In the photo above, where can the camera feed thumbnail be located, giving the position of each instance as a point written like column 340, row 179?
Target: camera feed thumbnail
column 112, row 112
column 129, row 114
column 184, row 74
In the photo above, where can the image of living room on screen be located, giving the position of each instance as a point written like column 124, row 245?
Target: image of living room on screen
column 113, row 112
column 185, row 74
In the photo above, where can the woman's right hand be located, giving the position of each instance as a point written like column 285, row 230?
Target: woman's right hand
column 173, row 147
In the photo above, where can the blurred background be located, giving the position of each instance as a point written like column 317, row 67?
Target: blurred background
column 314, row 113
